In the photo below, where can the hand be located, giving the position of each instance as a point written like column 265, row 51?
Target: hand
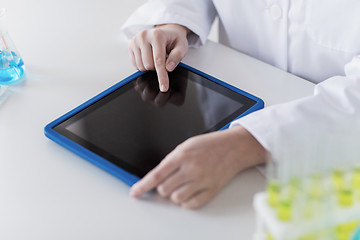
column 148, row 50
column 200, row 167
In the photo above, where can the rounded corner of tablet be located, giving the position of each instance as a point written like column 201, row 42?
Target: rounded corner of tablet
column 260, row 104
column 48, row 129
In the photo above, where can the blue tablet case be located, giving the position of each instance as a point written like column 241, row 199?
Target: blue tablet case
column 102, row 163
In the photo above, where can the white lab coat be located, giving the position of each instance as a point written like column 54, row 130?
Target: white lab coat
column 318, row 40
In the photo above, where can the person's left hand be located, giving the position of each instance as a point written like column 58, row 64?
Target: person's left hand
column 200, row 167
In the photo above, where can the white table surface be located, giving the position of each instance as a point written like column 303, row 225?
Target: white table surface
column 73, row 50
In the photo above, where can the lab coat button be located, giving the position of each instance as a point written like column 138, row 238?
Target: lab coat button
column 275, row 12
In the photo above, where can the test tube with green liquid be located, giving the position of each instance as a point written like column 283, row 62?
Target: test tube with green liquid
column 338, row 178
column 356, row 179
column 273, row 191
column 294, row 187
column 273, row 186
column 345, row 197
column 284, row 209
column 316, row 188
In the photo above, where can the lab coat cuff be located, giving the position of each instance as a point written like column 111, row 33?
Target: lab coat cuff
column 255, row 125
column 352, row 68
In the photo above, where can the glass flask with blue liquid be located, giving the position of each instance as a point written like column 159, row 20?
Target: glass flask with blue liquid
column 12, row 67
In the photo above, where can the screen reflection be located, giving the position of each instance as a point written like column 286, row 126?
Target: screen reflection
column 136, row 126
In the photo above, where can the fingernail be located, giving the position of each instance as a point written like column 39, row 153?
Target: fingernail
column 170, row 66
column 163, row 88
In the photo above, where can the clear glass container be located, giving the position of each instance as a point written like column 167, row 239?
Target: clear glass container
column 12, row 68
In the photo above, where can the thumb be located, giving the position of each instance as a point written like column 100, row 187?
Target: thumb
column 175, row 56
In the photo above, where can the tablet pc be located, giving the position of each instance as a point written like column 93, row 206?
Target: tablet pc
column 129, row 128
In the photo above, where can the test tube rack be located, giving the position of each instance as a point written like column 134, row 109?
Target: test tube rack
column 317, row 207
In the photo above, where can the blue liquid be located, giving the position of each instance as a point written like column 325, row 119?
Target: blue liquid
column 12, row 68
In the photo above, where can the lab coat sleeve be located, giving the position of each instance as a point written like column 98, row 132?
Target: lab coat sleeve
column 197, row 16
column 325, row 126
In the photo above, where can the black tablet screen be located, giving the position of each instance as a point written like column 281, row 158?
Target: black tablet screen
column 135, row 126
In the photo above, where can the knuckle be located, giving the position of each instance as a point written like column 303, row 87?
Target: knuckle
column 159, row 62
column 149, row 66
column 142, row 34
column 197, row 204
column 167, row 162
column 177, row 53
column 141, row 69
column 182, row 154
column 140, row 38
column 162, row 191
column 186, row 149
column 194, row 204
column 132, row 45
column 175, row 198
column 199, row 201
column 156, row 177
column 139, row 64
column 157, row 33
column 194, row 169
column 189, row 142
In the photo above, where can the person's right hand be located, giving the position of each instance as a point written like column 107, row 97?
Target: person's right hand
column 149, row 48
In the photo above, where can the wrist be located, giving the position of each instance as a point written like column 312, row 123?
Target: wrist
column 249, row 152
column 177, row 27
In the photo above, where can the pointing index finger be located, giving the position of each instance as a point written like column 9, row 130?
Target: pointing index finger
column 159, row 53
column 155, row 177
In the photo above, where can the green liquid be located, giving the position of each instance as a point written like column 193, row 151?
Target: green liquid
column 284, row 209
column 345, row 197
column 356, row 178
column 338, row 179
column 273, row 190
column 345, row 231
